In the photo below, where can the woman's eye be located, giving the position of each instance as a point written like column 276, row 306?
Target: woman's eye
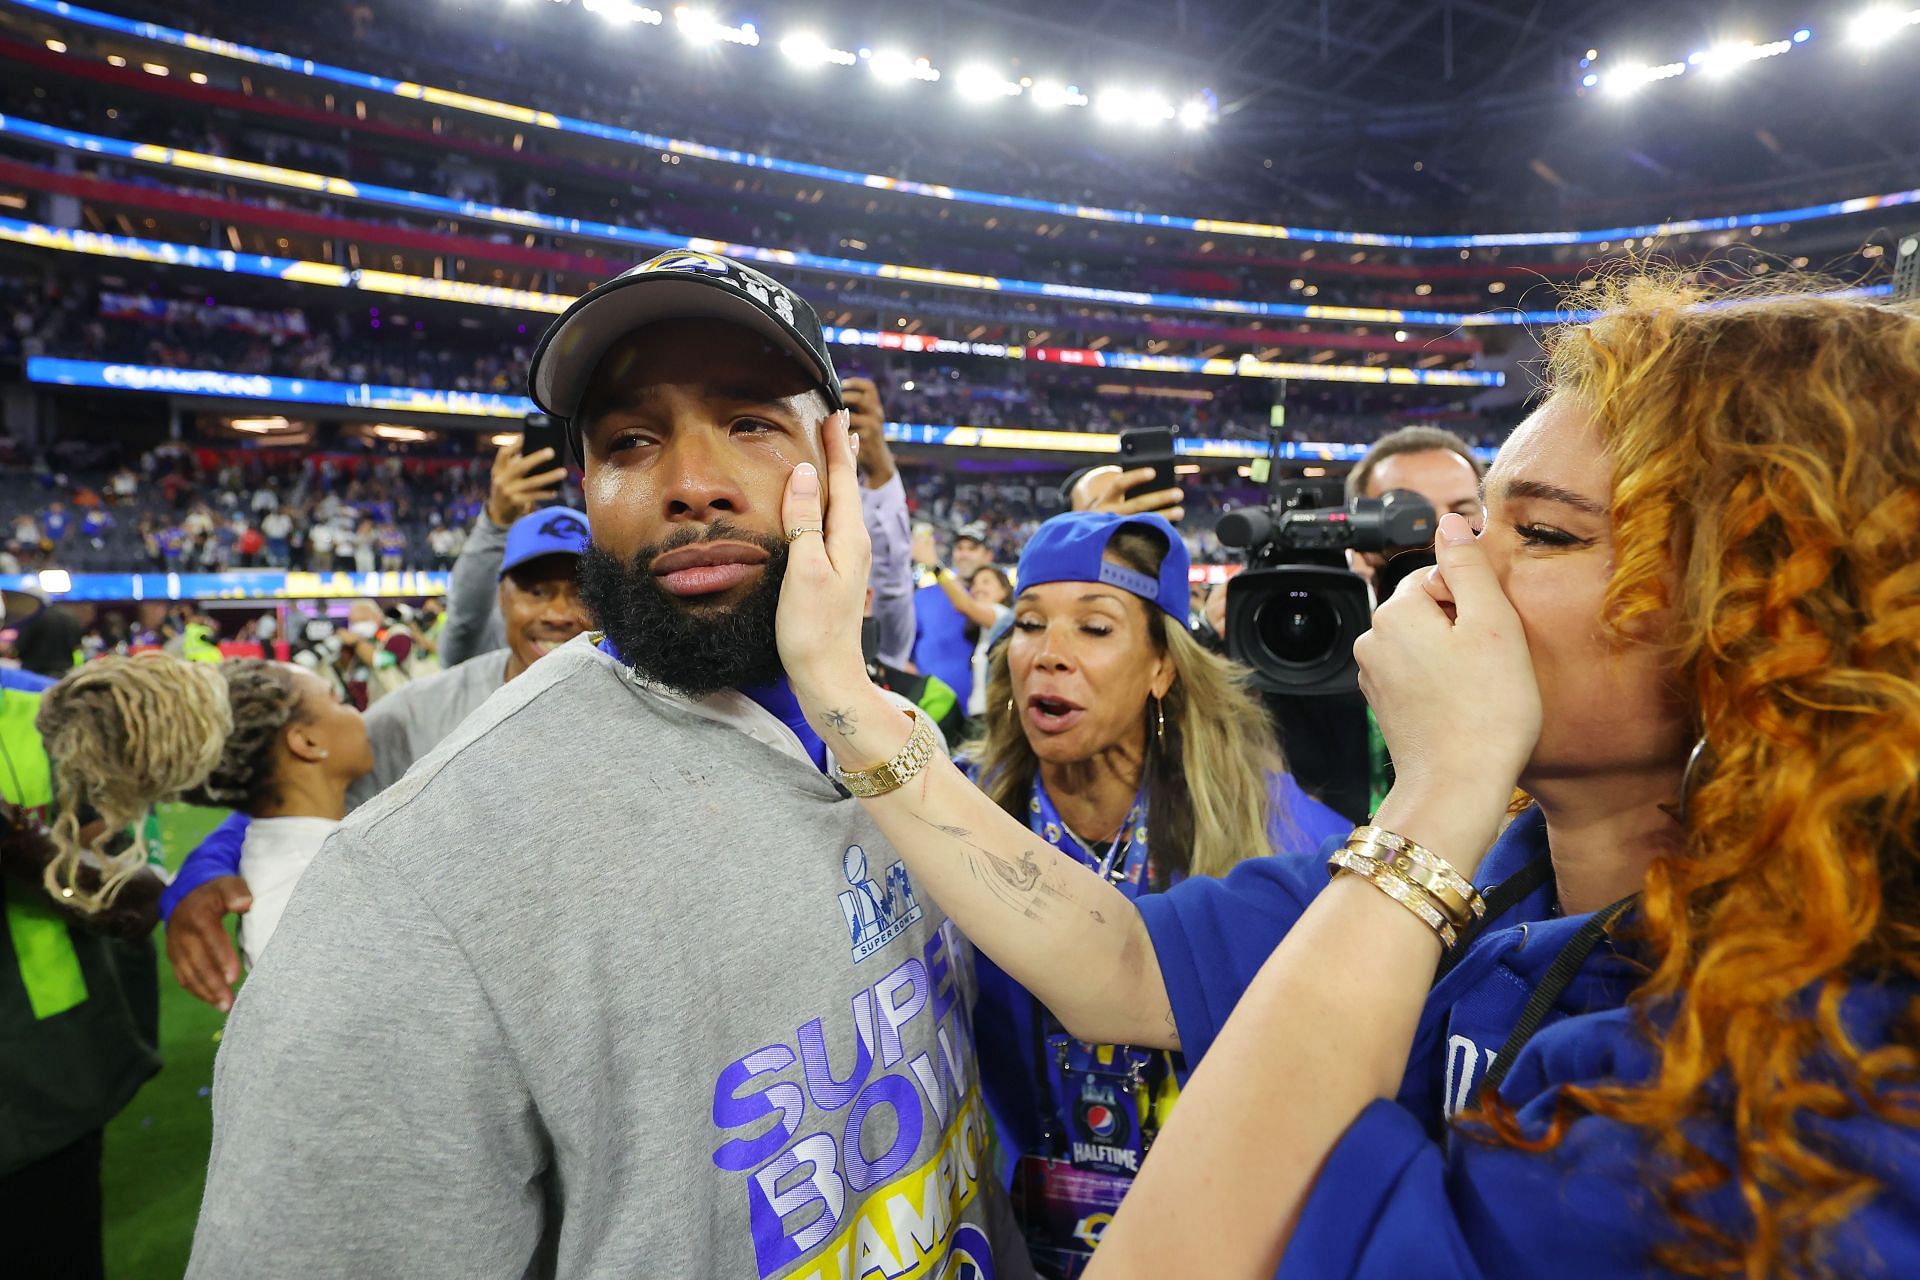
column 1097, row 629
column 1540, row 535
column 1029, row 625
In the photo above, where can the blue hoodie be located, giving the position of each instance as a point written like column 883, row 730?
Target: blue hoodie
column 1405, row 1194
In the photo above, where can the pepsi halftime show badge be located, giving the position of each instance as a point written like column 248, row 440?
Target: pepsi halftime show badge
column 1103, row 1100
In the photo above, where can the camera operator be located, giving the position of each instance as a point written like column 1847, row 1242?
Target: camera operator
column 1121, row 742
column 1440, row 467
column 1432, row 462
column 539, row 598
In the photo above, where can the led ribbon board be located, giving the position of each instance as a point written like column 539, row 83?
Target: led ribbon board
column 535, row 118
column 249, row 584
column 655, row 241
column 58, row 371
column 166, row 253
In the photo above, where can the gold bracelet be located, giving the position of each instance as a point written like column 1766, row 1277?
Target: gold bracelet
column 1395, row 886
column 1425, row 868
column 891, row 775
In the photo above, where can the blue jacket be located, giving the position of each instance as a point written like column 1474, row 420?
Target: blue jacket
column 1404, row 1194
column 1004, row 1016
column 940, row 644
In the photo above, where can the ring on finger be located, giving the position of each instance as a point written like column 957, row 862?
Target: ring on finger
column 795, row 534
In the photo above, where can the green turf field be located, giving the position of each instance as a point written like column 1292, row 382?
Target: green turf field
column 156, row 1150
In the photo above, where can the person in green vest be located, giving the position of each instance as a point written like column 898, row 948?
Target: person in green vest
column 79, row 1012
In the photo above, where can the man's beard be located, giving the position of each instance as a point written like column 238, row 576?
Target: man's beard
column 692, row 650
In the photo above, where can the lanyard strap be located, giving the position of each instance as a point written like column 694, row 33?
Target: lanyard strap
column 1559, row 977
column 1124, row 864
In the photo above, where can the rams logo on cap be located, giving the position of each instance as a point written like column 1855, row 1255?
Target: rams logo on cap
column 685, row 260
column 564, row 525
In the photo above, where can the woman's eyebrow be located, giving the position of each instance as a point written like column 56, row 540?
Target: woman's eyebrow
column 1540, row 489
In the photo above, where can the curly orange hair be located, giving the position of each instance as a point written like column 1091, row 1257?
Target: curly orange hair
column 1766, row 512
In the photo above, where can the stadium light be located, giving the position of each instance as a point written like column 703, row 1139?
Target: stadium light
column 1875, row 26
column 983, row 84
column 1049, row 94
column 625, row 11
column 1626, row 80
column 1723, row 58
column 810, row 50
column 895, row 68
column 1195, row 114
column 1126, row 106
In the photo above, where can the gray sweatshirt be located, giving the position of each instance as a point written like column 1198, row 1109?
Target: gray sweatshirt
column 411, row 721
column 473, row 624
column 610, row 984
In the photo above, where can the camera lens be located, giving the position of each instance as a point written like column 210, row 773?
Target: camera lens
column 1299, row 628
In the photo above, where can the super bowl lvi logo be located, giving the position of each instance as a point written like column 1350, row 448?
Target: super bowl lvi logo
column 876, row 911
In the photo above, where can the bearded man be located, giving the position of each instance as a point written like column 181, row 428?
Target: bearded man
column 618, row 981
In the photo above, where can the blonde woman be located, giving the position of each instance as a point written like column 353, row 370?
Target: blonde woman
column 1120, row 741
column 266, row 738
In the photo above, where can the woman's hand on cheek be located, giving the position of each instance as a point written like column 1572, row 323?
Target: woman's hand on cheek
column 824, row 595
column 1447, row 672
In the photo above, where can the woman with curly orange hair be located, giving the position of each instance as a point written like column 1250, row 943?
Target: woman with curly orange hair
column 1668, row 1018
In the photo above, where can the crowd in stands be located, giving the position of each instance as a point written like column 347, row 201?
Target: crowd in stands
column 209, row 508
column 185, row 509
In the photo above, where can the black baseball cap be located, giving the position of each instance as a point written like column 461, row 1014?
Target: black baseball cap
column 681, row 284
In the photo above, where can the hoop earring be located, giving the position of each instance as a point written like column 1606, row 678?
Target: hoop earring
column 1009, row 706
column 1686, row 779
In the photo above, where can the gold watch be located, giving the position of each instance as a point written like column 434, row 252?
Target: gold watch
column 893, row 774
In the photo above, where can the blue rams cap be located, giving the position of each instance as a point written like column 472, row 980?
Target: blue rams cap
column 1072, row 548
column 547, row 532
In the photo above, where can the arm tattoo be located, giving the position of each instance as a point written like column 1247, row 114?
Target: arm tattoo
column 842, row 722
column 1017, row 884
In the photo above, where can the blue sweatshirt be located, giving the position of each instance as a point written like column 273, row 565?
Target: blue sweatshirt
column 1004, row 1017
column 1404, row 1194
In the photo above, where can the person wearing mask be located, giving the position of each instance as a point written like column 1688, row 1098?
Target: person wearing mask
column 79, row 1009
column 941, row 644
column 1122, row 743
column 270, row 739
column 519, row 484
column 883, row 500
column 1663, row 1020
column 580, row 1042
column 539, row 598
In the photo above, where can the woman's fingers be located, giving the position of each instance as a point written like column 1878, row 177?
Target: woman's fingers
column 1469, row 579
column 847, row 543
